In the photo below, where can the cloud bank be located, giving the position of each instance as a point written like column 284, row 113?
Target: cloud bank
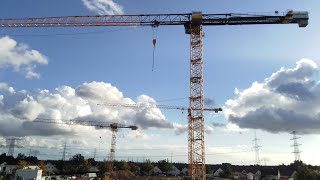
column 288, row 100
column 103, row 7
column 20, row 57
column 19, row 108
column 180, row 129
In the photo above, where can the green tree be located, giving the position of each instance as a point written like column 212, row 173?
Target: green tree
column 122, row 175
column 21, row 157
column 91, row 161
column 43, row 167
column 134, row 168
column 227, row 170
column 209, row 169
column 22, row 164
column 147, row 166
column 60, row 165
column 123, row 165
column 296, row 165
column 79, row 164
column 303, row 173
column 105, row 166
column 164, row 165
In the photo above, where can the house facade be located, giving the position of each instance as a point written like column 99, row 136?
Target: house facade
column 174, row 171
column 51, row 168
column 28, row 174
column 218, row 172
column 7, row 169
column 156, row 170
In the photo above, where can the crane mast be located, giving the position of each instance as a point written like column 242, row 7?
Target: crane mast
column 193, row 23
column 196, row 148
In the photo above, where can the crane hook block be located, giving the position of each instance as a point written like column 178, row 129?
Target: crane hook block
column 154, row 41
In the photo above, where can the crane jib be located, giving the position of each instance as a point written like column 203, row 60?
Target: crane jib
column 291, row 17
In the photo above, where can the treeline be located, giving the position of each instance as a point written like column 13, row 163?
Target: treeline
column 20, row 157
column 304, row 171
column 77, row 164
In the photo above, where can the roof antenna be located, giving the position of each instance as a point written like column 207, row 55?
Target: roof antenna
column 154, row 40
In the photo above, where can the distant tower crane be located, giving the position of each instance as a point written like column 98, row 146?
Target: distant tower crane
column 159, row 106
column 113, row 126
column 193, row 23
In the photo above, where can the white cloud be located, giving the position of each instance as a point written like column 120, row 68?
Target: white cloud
column 231, row 127
column 20, row 57
column 208, row 129
column 6, row 87
column 103, row 7
column 137, row 134
column 19, row 108
column 229, row 149
column 180, row 129
column 228, row 127
column 288, row 100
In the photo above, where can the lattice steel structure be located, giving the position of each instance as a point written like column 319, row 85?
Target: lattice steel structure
column 296, row 145
column 113, row 126
column 256, row 147
column 193, row 23
column 64, row 151
column 11, row 144
column 113, row 145
column 196, row 121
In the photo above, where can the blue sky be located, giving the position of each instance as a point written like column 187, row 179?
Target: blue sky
column 234, row 57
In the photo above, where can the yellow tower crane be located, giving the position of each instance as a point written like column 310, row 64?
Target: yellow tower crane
column 113, row 127
column 193, row 23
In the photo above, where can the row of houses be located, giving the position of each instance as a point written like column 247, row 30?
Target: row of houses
column 275, row 175
column 243, row 175
column 51, row 168
column 174, row 171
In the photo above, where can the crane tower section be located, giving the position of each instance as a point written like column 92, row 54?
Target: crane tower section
column 196, row 121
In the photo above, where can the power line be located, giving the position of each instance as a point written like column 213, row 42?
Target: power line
column 175, row 99
column 169, row 155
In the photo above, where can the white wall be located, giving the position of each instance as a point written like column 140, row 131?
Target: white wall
column 28, row 174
